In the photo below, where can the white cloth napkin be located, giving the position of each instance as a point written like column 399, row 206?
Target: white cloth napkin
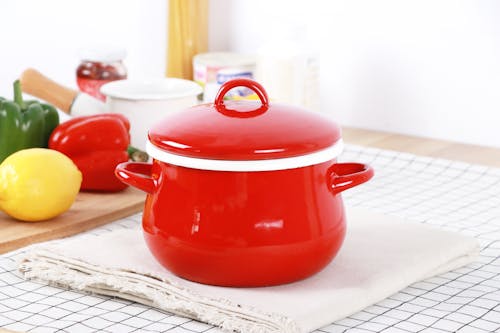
column 381, row 255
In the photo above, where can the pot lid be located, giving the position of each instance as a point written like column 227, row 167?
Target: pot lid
column 244, row 130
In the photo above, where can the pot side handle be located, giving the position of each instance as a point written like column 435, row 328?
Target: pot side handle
column 136, row 174
column 343, row 176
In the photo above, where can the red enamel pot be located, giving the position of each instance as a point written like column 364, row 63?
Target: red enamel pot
column 244, row 193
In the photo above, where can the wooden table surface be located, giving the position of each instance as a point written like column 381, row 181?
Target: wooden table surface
column 416, row 145
column 422, row 146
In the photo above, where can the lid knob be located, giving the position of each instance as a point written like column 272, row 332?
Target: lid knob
column 251, row 84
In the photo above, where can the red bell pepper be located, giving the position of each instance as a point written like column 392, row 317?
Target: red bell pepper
column 96, row 144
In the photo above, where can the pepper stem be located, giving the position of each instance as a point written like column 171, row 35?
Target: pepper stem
column 137, row 155
column 18, row 95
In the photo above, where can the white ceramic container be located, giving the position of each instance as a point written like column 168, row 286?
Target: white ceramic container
column 145, row 103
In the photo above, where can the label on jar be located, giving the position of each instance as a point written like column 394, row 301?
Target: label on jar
column 212, row 78
column 92, row 87
column 227, row 74
column 211, row 70
column 205, row 74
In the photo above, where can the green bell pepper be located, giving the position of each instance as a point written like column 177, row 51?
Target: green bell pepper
column 24, row 124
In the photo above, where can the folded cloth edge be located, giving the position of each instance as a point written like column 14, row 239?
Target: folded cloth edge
column 56, row 270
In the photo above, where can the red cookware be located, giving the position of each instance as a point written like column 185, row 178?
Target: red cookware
column 244, row 193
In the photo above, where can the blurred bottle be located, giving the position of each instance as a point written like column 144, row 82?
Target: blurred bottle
column 187, row 35
column 100, row 65
column 289, row 68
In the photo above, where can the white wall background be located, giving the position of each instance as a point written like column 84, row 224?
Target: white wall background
column 428, row 67
column 46, row 34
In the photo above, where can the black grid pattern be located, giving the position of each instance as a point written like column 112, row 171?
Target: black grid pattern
column 451, row 195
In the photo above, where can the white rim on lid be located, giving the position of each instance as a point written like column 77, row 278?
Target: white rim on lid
column 285, row 163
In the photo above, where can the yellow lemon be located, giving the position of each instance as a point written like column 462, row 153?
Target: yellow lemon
column 38, row 184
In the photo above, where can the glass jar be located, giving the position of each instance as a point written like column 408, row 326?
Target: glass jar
column 98, row 66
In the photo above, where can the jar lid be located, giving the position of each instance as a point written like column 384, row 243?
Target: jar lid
column 102, row 53
column 224, row 59
column 244, row 135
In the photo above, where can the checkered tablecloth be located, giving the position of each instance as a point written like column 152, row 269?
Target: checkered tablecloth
column 451, row 195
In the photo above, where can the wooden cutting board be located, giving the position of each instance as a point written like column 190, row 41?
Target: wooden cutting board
column 90, row 210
